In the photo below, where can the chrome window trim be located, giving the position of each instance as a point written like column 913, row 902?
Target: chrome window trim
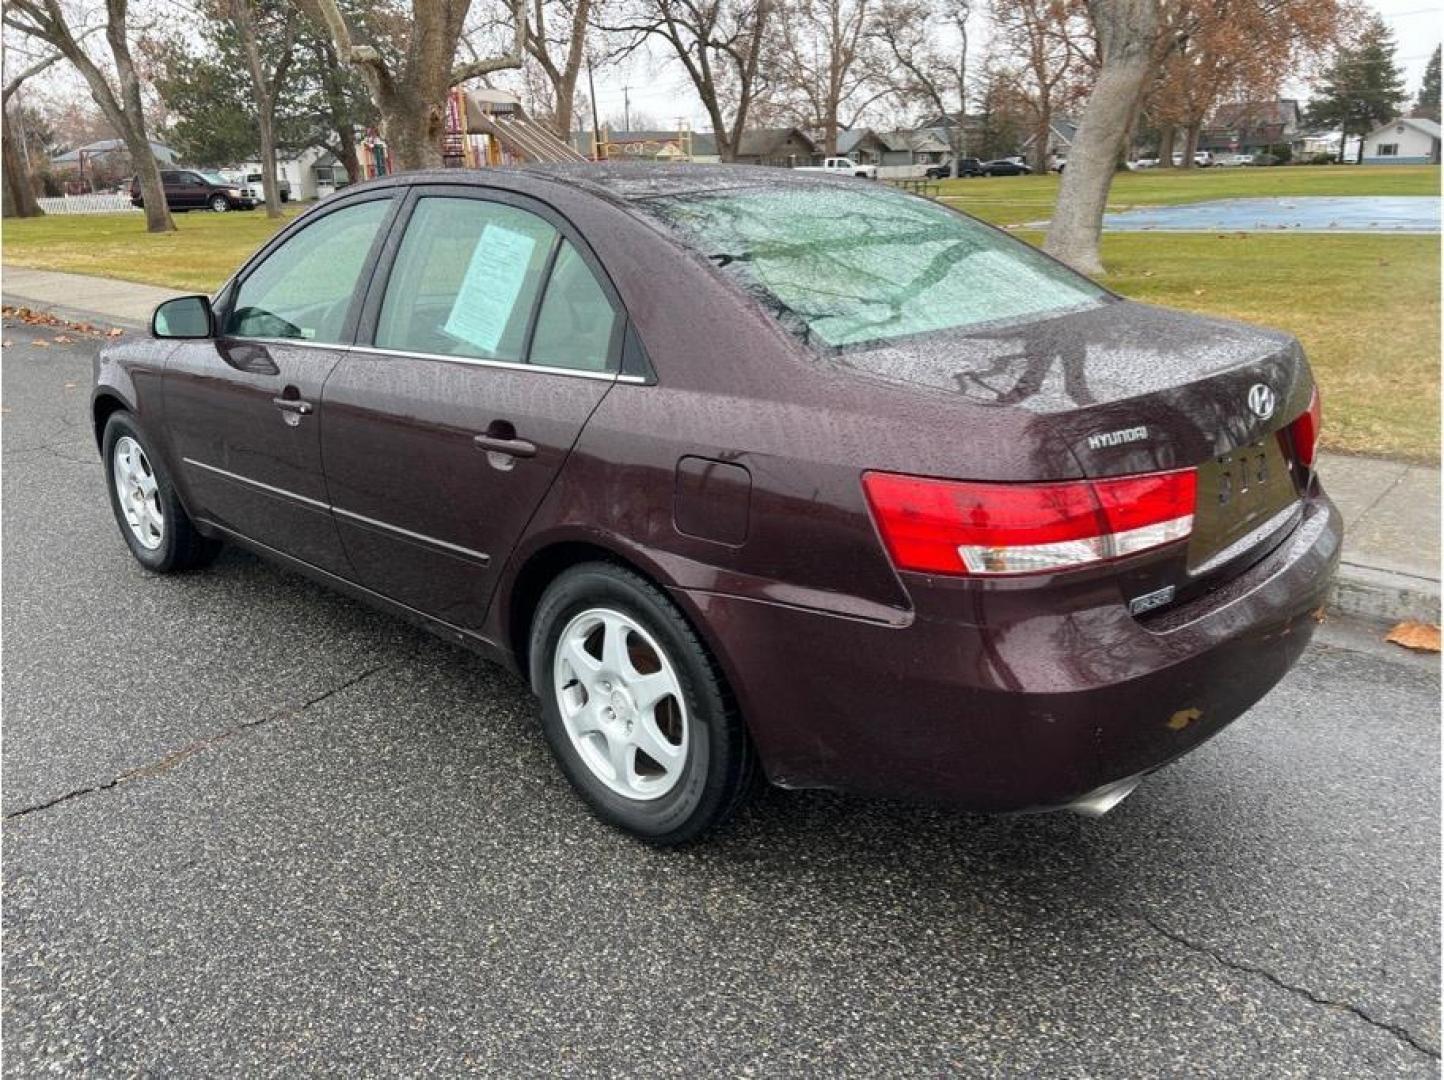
column 506, row 365
column 477, row 361
column 446, row 545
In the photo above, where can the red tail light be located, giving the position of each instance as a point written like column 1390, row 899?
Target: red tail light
column 1305, row 431
column 961, row 527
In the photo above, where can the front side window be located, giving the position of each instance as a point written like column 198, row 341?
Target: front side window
column 304, row 288
column 858, row 267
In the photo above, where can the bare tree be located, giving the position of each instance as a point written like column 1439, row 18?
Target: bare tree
column 720, row 44
column 1126, row 30
column 1039, row 33
column 560, row 57
column 410, row 87
column 830, row 62
column 120, row 102
column 19, row 194
column 923, row 73
column 266, row 85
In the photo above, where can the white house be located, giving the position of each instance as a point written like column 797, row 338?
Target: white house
column 1406, row 141
column 312, row 173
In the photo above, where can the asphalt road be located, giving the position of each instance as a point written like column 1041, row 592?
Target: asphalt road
column 251, row 827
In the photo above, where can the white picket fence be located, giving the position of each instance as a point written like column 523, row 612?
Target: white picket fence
column 87, row 204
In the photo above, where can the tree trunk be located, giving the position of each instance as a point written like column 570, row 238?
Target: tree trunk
column 350, row 159
column 1166, row 137
column 1190, row 144
column 18, row 193
column 268, row 159
column 152, row 191
column 1040, row 141
column 1125, row 31
column 413, row 132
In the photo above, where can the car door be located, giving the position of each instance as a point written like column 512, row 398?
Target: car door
column 495, row 337
column 243, row 409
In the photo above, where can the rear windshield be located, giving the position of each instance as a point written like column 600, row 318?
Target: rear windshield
column 859, row 265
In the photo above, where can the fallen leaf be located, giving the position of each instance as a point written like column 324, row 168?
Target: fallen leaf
column 6, row 343
column 1181, row 719
column 61, row 339
column 1197, row 292
column 1412, row 634
column 1321, row 613
column 114, row 331
column 37, row 343
column 71, row 385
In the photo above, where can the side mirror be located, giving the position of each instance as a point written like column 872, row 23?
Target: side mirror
column 183, row 317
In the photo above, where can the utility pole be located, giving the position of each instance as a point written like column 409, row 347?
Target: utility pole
column 599, row 151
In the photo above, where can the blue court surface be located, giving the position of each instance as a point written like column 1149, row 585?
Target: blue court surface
column 1345, row 213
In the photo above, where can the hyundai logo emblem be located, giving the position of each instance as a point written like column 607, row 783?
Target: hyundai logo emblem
column 1261, row 401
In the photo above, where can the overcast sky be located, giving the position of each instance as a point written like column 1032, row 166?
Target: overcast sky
column 662, row 92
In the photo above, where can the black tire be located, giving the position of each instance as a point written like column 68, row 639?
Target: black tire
column 721, row 767
column 220, row 204
column 181, row 547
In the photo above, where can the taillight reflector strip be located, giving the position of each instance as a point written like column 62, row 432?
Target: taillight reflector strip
column 1306, row 429
column 964, row 527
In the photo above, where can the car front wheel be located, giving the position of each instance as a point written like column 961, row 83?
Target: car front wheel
column 220, row 204
column 634, row 708
column 152, row 522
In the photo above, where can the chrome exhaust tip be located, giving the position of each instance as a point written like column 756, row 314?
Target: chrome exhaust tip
column 1101, row 800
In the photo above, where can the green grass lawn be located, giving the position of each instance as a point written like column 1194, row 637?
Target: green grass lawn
column 1366, row 307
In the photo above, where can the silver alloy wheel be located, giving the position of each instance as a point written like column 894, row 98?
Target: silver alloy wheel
column 138, row 492
column 622, row 703
column 219, row 204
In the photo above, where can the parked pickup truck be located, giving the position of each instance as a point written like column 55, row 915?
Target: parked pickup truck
column 841, row 166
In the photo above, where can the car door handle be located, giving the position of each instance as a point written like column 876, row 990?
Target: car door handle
column 295, row 405
column 499, row 445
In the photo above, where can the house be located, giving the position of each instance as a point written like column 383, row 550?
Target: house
column 313, row 173
column 862, row 145
column 1251, row 127
column 927, row 146
column 1406, row 141
column 1061, row 133
column 678, row 145
column 775, row 146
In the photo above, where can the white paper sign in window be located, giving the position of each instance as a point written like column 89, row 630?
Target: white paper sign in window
column 493, row 281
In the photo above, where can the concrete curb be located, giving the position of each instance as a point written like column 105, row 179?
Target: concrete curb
column 1384, row 596
column 73, row 314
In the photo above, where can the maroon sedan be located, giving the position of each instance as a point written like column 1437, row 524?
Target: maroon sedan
column 745, row 469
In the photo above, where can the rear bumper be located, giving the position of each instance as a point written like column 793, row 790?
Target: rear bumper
column 997, row 706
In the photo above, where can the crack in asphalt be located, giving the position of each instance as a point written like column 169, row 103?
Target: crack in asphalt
column 1400, row 1032
column 171, row 760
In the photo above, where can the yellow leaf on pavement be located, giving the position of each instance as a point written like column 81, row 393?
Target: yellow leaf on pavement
column 1411, row 634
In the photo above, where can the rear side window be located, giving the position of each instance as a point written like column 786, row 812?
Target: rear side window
column 304, row 288
column 466, row 280
column 575, row 326
column 843, row 267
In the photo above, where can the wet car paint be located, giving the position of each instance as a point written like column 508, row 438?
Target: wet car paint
column 996, row 694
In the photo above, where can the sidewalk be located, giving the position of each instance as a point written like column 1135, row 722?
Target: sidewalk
column 1390, row 568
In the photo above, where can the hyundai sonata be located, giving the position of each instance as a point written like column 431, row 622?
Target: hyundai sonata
column 748, row 473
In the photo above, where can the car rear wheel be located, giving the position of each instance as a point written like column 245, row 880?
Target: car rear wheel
column 152, row 522
column 634, row 708
column 220, row 204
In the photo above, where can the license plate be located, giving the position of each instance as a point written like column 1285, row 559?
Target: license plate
column 1237, row 493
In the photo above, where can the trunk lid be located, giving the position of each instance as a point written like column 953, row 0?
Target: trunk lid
column 1130, row 388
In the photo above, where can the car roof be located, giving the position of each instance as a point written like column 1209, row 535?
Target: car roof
column 620, row 183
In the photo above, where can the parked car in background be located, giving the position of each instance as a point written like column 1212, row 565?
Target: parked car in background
column 968, row 166
column 841, row 166
column 254, row 186
column 1006, row 167
column 1202, row 159
column 936, row 517
column 190, row 189
column 1144, row 163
